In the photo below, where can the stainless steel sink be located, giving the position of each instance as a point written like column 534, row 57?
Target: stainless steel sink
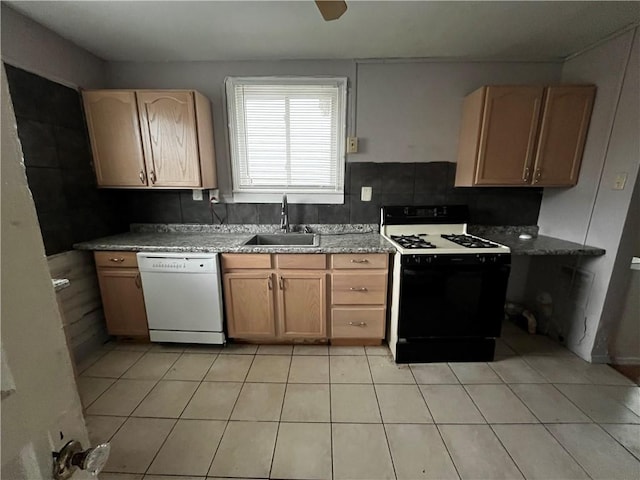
column 285, row 240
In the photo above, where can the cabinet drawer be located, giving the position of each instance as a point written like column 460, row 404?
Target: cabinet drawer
column 116, row 259
column 308, row 261
column 359, row 260
column 358, row 322
column 359, row 288
column 245, row 260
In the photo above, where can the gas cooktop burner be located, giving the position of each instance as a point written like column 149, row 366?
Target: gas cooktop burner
column 412, row 241
column 469, row 242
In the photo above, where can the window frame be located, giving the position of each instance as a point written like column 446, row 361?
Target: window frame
column 295, row 195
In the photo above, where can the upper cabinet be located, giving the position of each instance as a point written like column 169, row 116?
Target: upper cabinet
column 151, row 139
column 523, row 135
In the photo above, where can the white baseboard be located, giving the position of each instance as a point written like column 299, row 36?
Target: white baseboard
column 625, row 360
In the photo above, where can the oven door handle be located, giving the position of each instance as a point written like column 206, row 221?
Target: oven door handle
column 412, row 273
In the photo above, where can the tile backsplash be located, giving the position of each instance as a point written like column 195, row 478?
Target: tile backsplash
column 391, row 183
column 57, row 156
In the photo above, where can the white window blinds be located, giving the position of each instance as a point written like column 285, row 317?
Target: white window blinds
column 287, row 134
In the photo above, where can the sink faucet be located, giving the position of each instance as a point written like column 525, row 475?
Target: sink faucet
column 284, row 215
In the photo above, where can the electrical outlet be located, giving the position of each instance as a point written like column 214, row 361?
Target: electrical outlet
column 620, row 181
column 197, row 194
column 352, row 145
column 365, row 194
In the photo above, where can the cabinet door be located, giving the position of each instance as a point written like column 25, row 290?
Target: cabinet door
column 169, row 136
column 249, row 304
column 563, row 131
column 302, row 304
column 508, row 132
column 123, row 302
column 114, row 130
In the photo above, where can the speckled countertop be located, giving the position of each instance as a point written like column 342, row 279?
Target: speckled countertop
column 175, row 238
column 60, row 283
column 538, row 244
column 361, row 238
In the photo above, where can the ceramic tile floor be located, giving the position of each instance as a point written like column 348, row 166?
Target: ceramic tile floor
column 317, row 412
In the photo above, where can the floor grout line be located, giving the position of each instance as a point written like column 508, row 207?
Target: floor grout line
column 329, row 383
column 384, row 430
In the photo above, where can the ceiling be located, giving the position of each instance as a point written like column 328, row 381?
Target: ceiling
column 250, row 30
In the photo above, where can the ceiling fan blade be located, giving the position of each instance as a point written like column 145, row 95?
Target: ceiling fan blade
column 331, row 9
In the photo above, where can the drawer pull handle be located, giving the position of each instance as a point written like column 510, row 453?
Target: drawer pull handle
column 358, row 324
column 143, row 177
column 270, row 283
column 359, row 289
column 364, row 260
column 152, row 176
column 525, row 175
column 117, row 260
column 281, row 283
column 538, row 175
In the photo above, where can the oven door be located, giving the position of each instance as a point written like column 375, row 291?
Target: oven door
column 453, row 297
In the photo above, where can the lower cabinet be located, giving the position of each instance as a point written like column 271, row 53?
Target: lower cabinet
column 284, row 297
column 269, row 303
column 249, row 304
column 121, row 291
column 359, row 297
column 302, row 304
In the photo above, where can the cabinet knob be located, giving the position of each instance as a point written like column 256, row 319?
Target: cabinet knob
column 538, row 175
column 152, row 176
column 117, row 260
column 355, row 260
column 143, row 177
column 359, row 289
column 358, row 324
column 525, row 175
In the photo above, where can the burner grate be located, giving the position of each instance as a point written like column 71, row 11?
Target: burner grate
column 412, row 241
column 468, row 241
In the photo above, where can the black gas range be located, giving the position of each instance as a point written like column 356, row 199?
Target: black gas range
column 449, row 287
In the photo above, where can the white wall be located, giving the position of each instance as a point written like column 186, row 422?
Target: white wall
column 592, row 212
column 32, row 47
column 623, row 301
column 411, row 111
column 405, row 112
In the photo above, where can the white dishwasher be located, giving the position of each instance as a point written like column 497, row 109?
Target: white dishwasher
column 182, row 295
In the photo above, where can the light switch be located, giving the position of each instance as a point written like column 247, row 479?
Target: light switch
column 197, row 194
column 352, row 144
column 620, row 181
column 365, row 194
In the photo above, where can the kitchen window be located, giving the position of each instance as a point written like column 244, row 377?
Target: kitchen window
column 287, row 136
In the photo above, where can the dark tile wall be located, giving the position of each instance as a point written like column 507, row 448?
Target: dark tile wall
column 57, row 156
column 392, row 184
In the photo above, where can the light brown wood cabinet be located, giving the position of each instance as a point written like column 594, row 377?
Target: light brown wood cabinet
column 121, row 291
column 275, row 297
column 358, row 298
column 249, row 304
column 151, row 139
column 523, row 135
